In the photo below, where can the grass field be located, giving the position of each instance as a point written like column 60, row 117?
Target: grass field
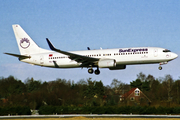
column 83, row 118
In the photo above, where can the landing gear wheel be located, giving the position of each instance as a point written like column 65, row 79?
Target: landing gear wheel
column 160, row 68
column 97, row 72
column 90, row 71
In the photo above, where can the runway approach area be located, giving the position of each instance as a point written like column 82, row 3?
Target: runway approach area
column 90, row 116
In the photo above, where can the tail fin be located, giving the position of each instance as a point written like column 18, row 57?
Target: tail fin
column 26, row 45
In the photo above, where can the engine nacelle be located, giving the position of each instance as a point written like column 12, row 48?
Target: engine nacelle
column 107, row 63
column 118, row 67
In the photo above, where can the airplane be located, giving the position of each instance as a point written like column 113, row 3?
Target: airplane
column 114, row 59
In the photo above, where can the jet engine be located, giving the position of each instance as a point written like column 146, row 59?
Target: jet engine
column 118, row 67
column 107, row 63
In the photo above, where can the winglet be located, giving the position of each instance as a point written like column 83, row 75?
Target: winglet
column 50, row 45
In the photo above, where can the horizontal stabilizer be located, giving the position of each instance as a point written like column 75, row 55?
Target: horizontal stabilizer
column 19, row 56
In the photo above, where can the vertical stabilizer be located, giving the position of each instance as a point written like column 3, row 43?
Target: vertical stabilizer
column 26, row 45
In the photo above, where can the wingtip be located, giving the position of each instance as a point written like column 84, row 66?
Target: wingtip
column 50, row 44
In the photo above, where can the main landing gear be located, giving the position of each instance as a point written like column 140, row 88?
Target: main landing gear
column 97, row 72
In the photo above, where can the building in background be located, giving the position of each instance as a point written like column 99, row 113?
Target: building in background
column 135, row 97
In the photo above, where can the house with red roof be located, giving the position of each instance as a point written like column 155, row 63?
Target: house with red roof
column 135, row 97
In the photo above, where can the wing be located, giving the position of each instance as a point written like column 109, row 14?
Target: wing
column 86, row 61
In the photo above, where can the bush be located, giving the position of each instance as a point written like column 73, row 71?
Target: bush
column 24, row 111
column 46, row 110
column 16, row 110
column 149, row 110
column 106, row 110
column 98, row 110
column 164, row 110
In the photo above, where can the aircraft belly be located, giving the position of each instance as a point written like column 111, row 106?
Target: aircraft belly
column 64, row 64
column 135, row 62
column 138, row 59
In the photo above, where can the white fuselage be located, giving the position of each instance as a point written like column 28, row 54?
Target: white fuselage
column 114, row 59
column 122, row 56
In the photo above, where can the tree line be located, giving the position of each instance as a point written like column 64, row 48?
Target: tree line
column 35, row 94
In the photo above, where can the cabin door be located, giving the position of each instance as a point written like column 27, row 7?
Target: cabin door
column 155, row 52
column 41, row 60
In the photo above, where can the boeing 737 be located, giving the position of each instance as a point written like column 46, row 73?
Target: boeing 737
column 114, row 59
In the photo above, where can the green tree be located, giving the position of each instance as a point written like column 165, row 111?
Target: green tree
column 32, row 85
column 89, row 90
column 176, row 91
column 99, row 89
column 155, row 92
column 167, row 85
column 145, row 86
column 141, row 76
column 10, row 86
column 118, row 86
column 150, row 79
column 136, row 84
column 142, row 82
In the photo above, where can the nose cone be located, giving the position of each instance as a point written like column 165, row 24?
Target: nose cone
column 174, row 55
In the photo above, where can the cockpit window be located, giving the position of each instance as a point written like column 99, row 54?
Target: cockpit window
column 166, row 50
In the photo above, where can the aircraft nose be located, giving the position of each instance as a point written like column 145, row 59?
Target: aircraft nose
column 174, row 55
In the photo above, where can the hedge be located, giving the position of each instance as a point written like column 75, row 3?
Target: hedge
column 16, row 110
column 44, row 110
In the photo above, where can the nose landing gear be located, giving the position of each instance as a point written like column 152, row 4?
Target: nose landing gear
column 161, row 63
column 160, row 68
